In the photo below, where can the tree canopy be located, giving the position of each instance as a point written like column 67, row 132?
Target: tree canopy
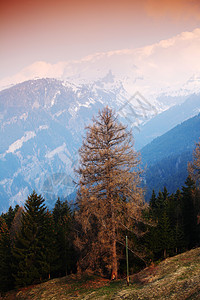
column 110, row 196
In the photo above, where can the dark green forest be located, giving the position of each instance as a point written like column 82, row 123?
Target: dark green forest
column 37, row 244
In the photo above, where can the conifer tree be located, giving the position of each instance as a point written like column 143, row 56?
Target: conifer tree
column 9, row 216
column 165, row 193
column 190, row 213
column 152, row 202
column 165, row 235
column 66, row 259
column 159, row 205
column 29, row 251
column 6, row 279
column 110, row 197
column 50, row 244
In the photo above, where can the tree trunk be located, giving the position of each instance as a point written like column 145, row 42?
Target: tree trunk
column 165, row 253
column 114, row 248
column 114, row 260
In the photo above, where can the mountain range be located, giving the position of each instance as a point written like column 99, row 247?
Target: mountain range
column 162, row 72
column 44, row 110
column 42, row 126
column 166, row 157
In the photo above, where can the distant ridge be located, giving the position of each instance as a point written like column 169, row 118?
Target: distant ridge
column 167, row 156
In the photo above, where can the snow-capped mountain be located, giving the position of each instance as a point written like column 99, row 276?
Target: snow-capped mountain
column 168, row 68
column 42, row 123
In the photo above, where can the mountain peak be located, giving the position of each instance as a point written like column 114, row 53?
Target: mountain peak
column 152, row 70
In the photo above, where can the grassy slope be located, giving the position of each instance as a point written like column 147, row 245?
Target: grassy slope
column 175, row 278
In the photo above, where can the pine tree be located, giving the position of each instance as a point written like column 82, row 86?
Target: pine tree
column 190, row 213
column 165, row 235
column 110, row 197
column 9, row 216
column 66, row 260
column 6, row 279
column 175, row 213
column 29, row 251
column 159, row 205
column 165, row 193
column 152, row 202
column 50, row 244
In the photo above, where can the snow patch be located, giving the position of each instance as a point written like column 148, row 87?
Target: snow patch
column 18, row 144
column 19, row 197
column 43, row 127
column 54, row 98
column 24, row 116
column 60, row 113
column 36, row 105
column 57, row 150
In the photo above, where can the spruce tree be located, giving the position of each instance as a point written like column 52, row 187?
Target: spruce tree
column 6, row 279
column 152, row 202
column 159, row 205
column 9, row 216
column 50, row 244
column 66, row 258
column 165, row 193
column 190, row 213
column 29, row 251
column 165, row 235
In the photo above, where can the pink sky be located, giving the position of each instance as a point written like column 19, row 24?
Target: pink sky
column 58, row 30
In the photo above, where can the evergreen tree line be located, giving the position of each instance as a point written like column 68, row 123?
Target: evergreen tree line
column 35, row 244
column 175, row 219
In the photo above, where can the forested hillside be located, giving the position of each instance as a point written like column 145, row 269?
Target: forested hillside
column 167, row 156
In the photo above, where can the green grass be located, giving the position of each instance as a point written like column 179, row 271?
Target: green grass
column 108, row 291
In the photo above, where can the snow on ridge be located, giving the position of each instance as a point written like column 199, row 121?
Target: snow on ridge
column 43, row 127
column 90, row 67
column 54, row 98
column 19, row 143
column 57, row 150
column 24, row 116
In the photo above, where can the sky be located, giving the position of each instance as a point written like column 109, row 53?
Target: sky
column 63, row 30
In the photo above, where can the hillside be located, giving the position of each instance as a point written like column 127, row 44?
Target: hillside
column 167, row 120
column 174, row 278
column 167, row 156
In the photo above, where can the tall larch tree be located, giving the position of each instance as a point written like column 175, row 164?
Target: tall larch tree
column 110, row 196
